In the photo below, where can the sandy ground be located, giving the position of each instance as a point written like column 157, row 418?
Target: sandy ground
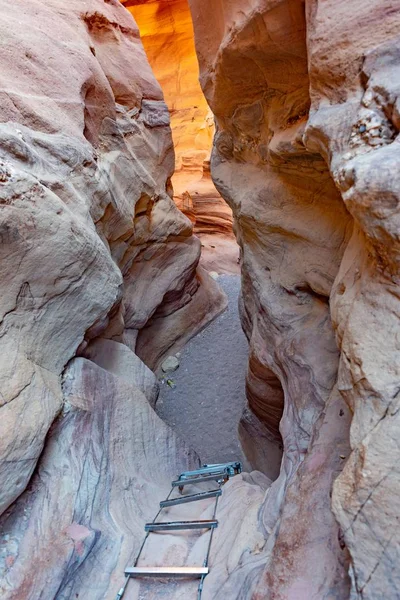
column 206, row 404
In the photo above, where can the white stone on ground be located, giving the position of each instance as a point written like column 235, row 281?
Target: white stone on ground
column 170, row 364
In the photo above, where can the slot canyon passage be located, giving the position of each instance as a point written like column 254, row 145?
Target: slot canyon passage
column 104, row 277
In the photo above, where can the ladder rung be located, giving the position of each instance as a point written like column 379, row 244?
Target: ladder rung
column 194, row 480
column 166, row 571
column 175, row 525
column 191, row 498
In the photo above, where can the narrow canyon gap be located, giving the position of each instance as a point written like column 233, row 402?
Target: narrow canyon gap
column 101, row 281
column 167, row 33
column 98, row 268
column 207, row 395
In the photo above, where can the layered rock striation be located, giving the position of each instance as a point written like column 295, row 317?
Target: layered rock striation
column 97, row 265
column 100, row 273
column 306, row 144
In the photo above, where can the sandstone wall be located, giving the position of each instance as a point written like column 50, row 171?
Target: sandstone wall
column 305, row 152
column 167, row 33
column 92, row 246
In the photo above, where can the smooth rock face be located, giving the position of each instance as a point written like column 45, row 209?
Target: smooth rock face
column 91, row 243
column 306, row 104
column 119, row 360
column 167, row 33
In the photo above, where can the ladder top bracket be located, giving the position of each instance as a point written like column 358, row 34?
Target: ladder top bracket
column 220, row 477
column 232, row 468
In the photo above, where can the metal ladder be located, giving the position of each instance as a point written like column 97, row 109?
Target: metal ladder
column 220, row 473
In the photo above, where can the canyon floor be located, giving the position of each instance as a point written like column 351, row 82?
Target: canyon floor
column 206, row 403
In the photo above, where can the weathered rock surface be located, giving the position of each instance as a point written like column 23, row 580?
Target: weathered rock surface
column 92, row 246
column 98, row 264
column 355, row 125
column 107, row 462
column 305, row 99
column 167, row 329
column 220, row 253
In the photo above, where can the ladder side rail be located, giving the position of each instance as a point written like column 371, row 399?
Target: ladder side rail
column 205, row 564
column 122, row 591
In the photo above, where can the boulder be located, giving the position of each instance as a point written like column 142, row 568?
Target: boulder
column 170, row 364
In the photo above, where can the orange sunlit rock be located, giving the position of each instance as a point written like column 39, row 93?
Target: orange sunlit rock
column 167, row 35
